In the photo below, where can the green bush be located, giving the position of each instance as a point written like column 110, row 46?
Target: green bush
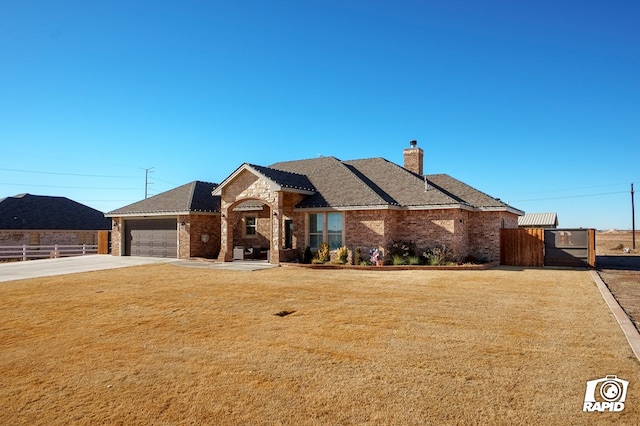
column 413, row 260
column 396, row 259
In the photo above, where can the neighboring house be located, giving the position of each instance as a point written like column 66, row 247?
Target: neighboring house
column 538, row 220
column 275, row 212
column 181, row 223
column 33, row 220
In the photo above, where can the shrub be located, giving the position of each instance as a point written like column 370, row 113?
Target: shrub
column 437, row 255
column 396, row 259
column 401, row 248
column 342, row 254
column 358, row 257
column 324, row 254
column 413, row 260
column 307, row 256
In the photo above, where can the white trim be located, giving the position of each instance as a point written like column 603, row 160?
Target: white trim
column 412, row 208
column 161, row 214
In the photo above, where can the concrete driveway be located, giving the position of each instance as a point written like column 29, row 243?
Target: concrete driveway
column 10, row 271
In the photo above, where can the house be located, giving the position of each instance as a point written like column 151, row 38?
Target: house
column 181, row 223
column 538, row 220
column 275, row 212
column 34, row 220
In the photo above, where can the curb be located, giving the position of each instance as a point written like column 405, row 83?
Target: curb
column 629, row 330
column 474, row 267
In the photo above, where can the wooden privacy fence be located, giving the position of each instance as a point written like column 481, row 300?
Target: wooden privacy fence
column 522, row 247
column 103, row 242
column 547, row 247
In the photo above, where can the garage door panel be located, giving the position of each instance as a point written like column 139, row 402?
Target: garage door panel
column 152, row 238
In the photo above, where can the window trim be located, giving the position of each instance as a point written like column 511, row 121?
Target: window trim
column 325, row 233
column 246, row 226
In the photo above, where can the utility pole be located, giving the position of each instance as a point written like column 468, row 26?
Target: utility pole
column 633, row 220
column 146, row 180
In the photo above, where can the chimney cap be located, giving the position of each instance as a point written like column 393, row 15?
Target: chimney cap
column 413, row 143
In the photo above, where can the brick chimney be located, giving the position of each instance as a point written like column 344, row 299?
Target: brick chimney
column 413, row 158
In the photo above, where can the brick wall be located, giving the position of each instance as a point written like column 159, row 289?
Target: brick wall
column 425, row 228
column 484, row 233
column 190, row 242
column 263, row 229
column 47, row 237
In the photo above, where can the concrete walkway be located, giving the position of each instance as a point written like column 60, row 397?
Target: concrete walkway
column 10, row 271
column 629, row 330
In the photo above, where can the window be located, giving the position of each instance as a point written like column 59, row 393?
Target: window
column 325, row 227
column 316, row 230
column 250, row 225
column 288, row 234
column 334, row 230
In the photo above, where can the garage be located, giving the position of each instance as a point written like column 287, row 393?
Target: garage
column 151, row 238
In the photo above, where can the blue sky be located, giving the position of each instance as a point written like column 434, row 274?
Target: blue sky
column 536, row 103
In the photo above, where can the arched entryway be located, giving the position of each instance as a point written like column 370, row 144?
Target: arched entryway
column 250, row 224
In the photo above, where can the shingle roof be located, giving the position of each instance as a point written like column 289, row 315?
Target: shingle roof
column 336, row 184
column 379, row 182
column 538, row 219
column 44, row 212
column 189, row 198
column 285, row 179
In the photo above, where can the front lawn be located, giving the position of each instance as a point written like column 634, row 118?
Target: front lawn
column 164, row 344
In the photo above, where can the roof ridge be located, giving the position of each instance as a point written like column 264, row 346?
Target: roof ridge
column 369, row 184
column 472, row 188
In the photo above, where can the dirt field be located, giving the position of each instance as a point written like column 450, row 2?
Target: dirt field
column 613, row 243
column 620, row 270
column 164, row 344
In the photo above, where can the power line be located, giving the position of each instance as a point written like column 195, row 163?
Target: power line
column 146, row 180
column 68, row 187
column 68, row 174
column 569, row 196
column 549, row 191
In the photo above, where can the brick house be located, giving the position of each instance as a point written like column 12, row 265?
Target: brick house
column 365, row 203
column 42, row 220
column 274, row 212
column 181, row 223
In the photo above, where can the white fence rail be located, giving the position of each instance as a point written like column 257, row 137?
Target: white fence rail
column 27, row 252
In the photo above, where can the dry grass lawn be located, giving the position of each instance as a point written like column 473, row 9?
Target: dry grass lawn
column 165, row 344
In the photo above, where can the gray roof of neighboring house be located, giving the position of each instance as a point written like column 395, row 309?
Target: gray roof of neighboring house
column 379, row 182
column 193, row 197
column 43, row 212
column 538, row 219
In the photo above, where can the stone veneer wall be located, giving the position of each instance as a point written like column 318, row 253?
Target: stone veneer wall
column 116, row 237
column 246, row 186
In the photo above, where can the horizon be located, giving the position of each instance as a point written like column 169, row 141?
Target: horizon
column 535, row 104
